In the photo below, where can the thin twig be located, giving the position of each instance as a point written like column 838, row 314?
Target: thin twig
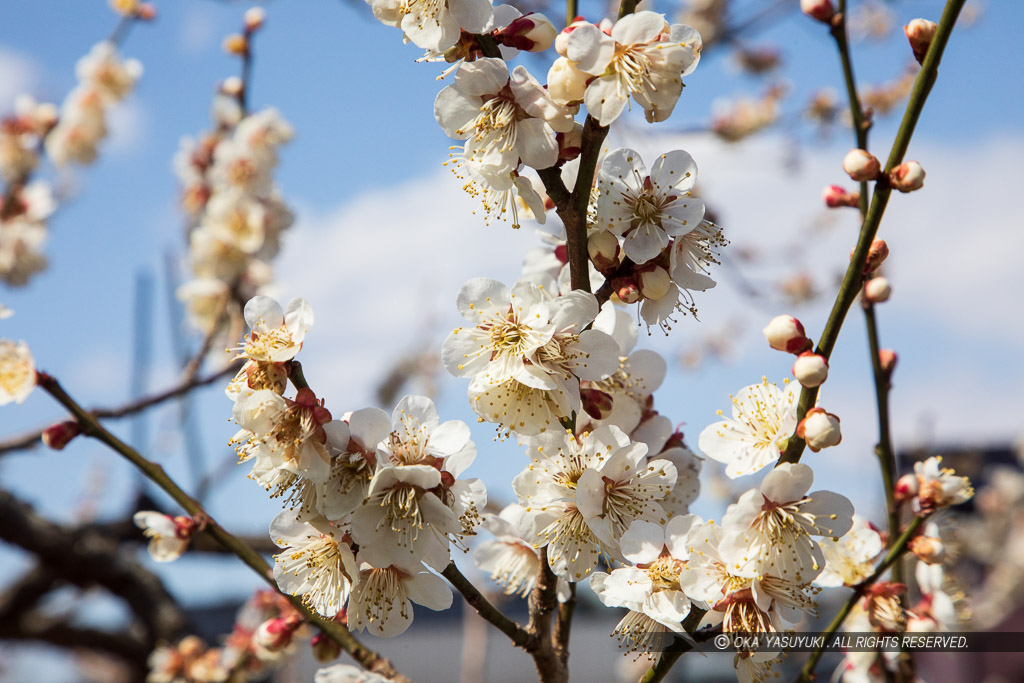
column 853, row 279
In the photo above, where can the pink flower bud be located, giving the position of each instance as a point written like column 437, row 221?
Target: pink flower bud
column 566, row 83
column 532, row 32
column 906, row 488
column 626, row 289
column 810, row 369
column 325, row 649
column 877, row 290
column 276, row 634
column 654, row 282
column 920, row 33
column 184, row 527
column 146, row 12
column 877, row 253
column 570, row 144
column 821, row 10
column 57, row 436
column 785, row 333
column 603, row 248
column 562, row 39
column 254, row 18
column 907, row 177
column 819, row 429
column 928, row 549
column 887, row 359
column 835, row 197
column 861, row 165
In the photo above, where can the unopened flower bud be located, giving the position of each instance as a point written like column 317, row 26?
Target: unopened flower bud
column 654, row 282
column 861, row 165
column 276, row 634
column 570, row 144
column 236, row 44
column 877, row 253
column 906, row 488
column 146, row 12
column 597, row 403
column 810, row 369
column 532, row 32
column 835, row 197
column 907, row 177
column 928, row 549
column 254, row 18
column 603, row 248
column 786, row 333
column 562, row 39
column 819, row 429
column 877, row 290
column 566, row 83
column 821, row 10
column 920, row 33
column 57, row 436
column 627, row 290
column 887, row 359
column 325, row 649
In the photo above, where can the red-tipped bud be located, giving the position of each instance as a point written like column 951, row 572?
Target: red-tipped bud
column 597, row 403
column 562, row 39
column 822, row 10
column 810, row 369
column 861, row 165
column 603, row 248
column 146, row 12
column 786, row 333
column 325, row 649
column 887, row 359
column 184, row 527
column 276, row 634
column 532, row 32
column 570, row 144
column 920, row 33
column 562, row 253
column 654, row 282
column 877, row 290
column 835, row 197
column 254, row 18
column 58, row 435
column 819, row 429
column 907, row 177
column 626, row 289
column 877, row 253
column 906, row 488
column 928, row 549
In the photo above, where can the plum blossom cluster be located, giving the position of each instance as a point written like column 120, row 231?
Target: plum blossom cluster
column 71, row 135
column 236, row 214
column 372, row 502
column 265, row 634
column 17, row 368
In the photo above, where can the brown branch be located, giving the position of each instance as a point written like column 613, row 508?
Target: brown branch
column 126, row 645
column 33, row 438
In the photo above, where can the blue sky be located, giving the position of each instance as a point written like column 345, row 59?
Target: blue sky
column 377, row 216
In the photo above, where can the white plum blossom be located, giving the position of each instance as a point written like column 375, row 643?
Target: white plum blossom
column 648, row 209
column 526, row 351
column 503, row 117
column 650, row 589
column 353, row 461
column 849, row 560
column 381, row 598
column 168, row 536
column 771, row 530
column 940, row 486
column 763, row 420
column 624, row 489
column 644, row 57
column 347, row 673
column 317, row 563
column 17, row 372
column 434, row 24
